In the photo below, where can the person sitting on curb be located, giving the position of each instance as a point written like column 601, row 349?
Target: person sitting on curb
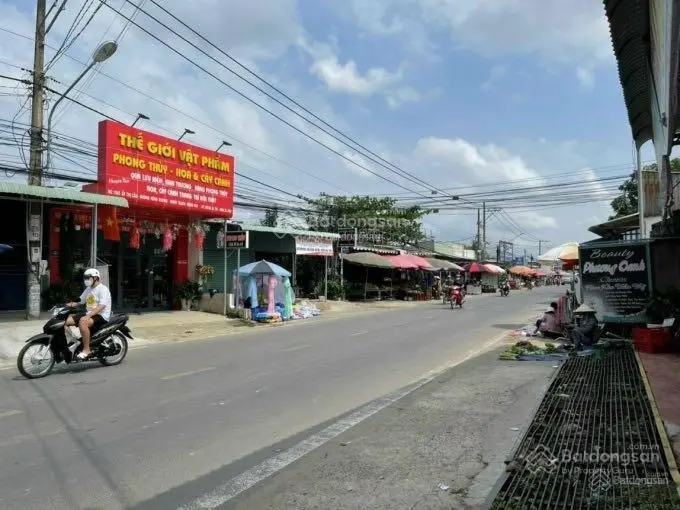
column 547, row 322
column 583, row 334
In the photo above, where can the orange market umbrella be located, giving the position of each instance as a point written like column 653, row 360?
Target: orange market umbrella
column 569, row 253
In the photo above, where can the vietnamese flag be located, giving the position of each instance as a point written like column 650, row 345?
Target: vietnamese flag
column 109, row 222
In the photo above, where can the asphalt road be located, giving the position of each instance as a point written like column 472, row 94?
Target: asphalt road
column 177, row 420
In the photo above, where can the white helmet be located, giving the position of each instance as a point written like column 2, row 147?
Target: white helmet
column 92, row 273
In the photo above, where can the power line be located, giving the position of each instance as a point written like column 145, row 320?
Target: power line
column 193, row 118
column 381, row 161
column 254, row 102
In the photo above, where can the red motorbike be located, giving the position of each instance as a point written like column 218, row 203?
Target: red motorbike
column 456, row 298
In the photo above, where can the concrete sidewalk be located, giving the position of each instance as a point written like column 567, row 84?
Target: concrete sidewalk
column 442, row 447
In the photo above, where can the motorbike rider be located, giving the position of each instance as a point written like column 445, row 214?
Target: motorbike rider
column 97, row 300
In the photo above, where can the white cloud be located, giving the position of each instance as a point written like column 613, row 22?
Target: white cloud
column 551, row 29
column 572, row 34
column 402, row 96
column 346, row 77
column 487, row 163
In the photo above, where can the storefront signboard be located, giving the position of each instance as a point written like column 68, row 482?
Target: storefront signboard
column 158, row 172
column 616, row 279
column 237, row 240
column 313, row 246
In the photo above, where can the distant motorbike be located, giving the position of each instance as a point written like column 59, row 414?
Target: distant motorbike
column 457, row 298
column 109, row 344
column 505, row 290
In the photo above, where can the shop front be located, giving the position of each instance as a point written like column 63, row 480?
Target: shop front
column 151, row 248
column 142, row 267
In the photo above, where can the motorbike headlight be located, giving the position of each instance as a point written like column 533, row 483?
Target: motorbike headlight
column 55, row 311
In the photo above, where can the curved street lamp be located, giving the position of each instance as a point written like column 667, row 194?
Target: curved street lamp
column 102, row 53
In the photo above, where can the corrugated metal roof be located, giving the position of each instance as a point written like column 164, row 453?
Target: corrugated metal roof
column 629, row 28
column 60, row 194
column 618, row 225
column 287, row 231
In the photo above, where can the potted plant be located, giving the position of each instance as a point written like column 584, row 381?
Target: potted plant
column 205, row 273
column 187, row 293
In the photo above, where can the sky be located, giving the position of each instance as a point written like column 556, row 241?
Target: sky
column 467, row 97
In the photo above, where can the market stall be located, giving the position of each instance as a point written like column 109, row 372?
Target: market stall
column 369, row 260
column 267, row 291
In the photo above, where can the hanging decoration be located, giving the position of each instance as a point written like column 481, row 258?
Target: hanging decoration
column 198, row 232
column 135, row 236
column 168, row 238
column 199, row 237
column 219, row 240
column 271, row 293
column 109, row 223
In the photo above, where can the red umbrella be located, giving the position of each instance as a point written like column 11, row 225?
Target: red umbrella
column 475, row 268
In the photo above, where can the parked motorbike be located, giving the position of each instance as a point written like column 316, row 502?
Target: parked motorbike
column 456, row 298
column 109, row 344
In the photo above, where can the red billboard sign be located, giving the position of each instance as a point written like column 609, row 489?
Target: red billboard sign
column 162, row 173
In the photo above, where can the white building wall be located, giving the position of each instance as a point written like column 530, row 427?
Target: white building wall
column 663, row 69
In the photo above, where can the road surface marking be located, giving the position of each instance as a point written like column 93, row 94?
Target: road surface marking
column 13, row 412
column 184, row 374
column 298, row 348
column 246, row 480
column 359, row 333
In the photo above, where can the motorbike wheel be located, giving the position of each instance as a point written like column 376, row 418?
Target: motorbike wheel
column 47, row 363
column 453, row 304
column 120, row 340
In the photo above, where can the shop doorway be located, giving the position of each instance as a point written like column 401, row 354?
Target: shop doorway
column 147, row 276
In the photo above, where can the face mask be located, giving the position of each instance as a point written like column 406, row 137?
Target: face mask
column 88, row 282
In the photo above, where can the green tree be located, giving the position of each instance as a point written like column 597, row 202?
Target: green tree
column 271, row 217
column 627, row 202
column 378, row 220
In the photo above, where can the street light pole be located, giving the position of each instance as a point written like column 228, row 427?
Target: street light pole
column 101, row 54
column 186, row 132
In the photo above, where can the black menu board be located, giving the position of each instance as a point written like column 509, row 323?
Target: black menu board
column 615, row 279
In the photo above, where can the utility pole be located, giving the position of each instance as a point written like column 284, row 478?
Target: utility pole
column 479, row 238
column 35, row 161
column 34, row 209
column 540, row 245
column 483, row 230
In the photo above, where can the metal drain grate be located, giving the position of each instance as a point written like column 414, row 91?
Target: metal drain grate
column 593, row 444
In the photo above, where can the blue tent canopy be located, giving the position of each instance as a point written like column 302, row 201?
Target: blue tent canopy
column 263, row 267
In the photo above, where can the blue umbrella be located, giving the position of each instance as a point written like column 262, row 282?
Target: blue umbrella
column 263, row 267
column 5, row 247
